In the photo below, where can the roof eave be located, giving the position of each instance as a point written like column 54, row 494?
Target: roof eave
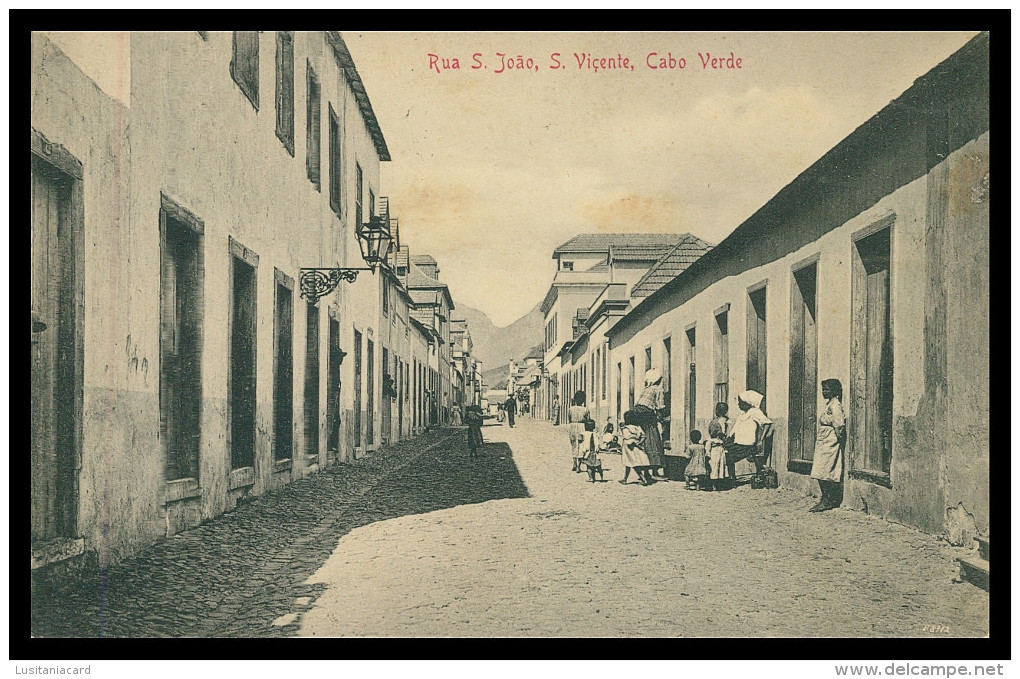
column 346, row 61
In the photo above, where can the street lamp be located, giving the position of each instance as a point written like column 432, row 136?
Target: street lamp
column 374, row 240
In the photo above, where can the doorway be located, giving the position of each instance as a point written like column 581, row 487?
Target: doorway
column 56, row 353
column 803, row 368
column 242, row 361
column 333, row 387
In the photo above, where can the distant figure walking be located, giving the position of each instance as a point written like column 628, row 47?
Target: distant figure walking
column 827, row 466
column 556, row 411
column 455, row 418
column 433, row 410
column 474, row 418
column 511, row 409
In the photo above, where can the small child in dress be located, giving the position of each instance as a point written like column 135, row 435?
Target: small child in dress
column 634, row 456
column 697, row 467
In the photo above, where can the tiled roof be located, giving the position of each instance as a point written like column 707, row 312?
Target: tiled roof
column 678, row 258
column 422, row 296
column 641, row 252
column 422, row 259
column 417, row 279
column 601, row 242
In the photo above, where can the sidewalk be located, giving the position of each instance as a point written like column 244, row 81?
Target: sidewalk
column 241, row 571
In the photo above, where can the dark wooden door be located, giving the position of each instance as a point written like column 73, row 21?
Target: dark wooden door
column 803, row 365
column 333, row 389
column 53, row 469
column 691, row 386
column 242, row 367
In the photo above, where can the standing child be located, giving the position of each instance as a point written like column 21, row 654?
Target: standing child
column 634, row 456
column 697, row 467
column 718, row 428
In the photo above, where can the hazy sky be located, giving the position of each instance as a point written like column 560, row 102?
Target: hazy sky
column 491, row 171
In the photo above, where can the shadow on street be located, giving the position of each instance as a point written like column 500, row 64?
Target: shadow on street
column 237, row 574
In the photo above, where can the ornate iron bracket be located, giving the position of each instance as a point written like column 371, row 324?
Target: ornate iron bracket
column 316, row 283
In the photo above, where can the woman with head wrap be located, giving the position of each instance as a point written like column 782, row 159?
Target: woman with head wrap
column 827, row 466
column 649, row 404
column 750, row 429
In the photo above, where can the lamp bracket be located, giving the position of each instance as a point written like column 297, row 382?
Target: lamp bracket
column 316, row 282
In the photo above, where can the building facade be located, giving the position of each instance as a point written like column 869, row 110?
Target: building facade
column 871, row 267
column 585, row 265
column 177, row 368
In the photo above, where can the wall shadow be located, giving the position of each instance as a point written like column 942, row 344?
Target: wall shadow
column 243, row 574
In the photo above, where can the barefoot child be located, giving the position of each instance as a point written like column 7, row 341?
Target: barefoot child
column 697, row 467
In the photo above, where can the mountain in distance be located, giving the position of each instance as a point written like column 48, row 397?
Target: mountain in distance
column 496, row 347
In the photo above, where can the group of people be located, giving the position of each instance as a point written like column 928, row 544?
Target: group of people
column 709, row 463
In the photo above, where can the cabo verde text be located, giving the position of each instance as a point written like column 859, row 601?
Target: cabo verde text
column 501, row 62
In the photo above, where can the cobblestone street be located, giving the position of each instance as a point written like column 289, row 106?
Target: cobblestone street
column 419, row 541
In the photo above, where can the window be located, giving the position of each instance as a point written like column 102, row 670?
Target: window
column 648, row 359
column 567, row 266
column 619, row 392
column 283, row 368
column 605, row 367
column 335, row 163
column 633, row 377
column 385, row 296
column 871, row 365
column 244, row 66
column 359, row 184
column 313, row 113
column 757, row 353
column 667, row 370
column 285, row 89
column 803, row 368
column 550, row 333
column 721, row 394
column 371, row 212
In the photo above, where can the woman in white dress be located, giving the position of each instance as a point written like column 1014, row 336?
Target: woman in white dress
column 827, row 466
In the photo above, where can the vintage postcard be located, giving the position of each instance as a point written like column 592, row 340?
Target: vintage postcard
column 510, row 335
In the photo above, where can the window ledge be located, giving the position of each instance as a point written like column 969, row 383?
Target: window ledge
column 182, row 489
column 799, row 466
column 57, row 550
column 283, row 465
column 871, row 476
column 288, row 142
column 240, row 478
